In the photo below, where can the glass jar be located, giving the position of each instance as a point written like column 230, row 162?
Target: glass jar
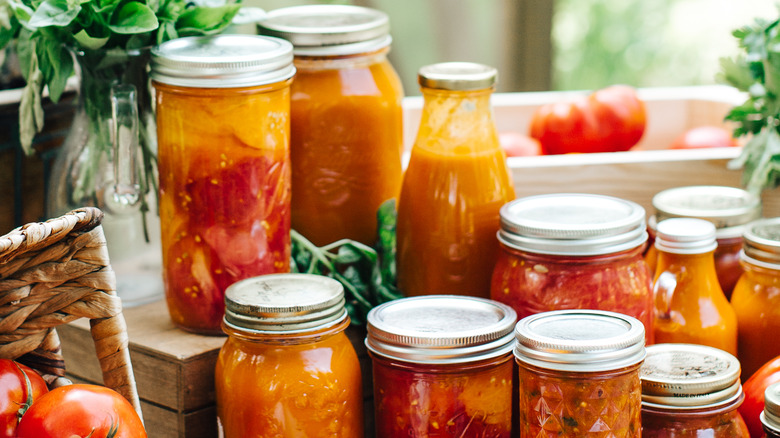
column 689, row 304
column 287, row 367
column 579, row 374
column 442, row 367
column 223, row 107
column 770, row 417
column 573, row 251
column 728, row 208
column 455, row 184
column 346, row 120
column 756, row 298
column 691, row 391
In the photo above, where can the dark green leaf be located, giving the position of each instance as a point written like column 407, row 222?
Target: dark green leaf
column 30, row 109
column 202, row 20
column 88, row 42
column 347, row 254
column 55, row 13
column 133, row 17
column 56, row 63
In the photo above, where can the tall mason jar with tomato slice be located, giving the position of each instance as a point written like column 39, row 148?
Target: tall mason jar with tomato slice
column 223, row 128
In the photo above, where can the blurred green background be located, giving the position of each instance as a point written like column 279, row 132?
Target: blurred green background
column 566, row 44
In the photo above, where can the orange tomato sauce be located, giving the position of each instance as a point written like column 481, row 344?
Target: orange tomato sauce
column 675, row 424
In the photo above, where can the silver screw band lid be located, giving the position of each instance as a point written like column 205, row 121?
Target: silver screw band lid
column 770, row 417
column 457, row 76
column 685, row 236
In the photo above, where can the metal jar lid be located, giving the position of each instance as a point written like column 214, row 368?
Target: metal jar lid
column 728, row 208
column 761, row 243
column 284, row 303
column 329, row 30
column 457, row 76
column 441, row 329
column 572, row 224
column 687, row 376
column 770, row 417
column 222, row 61
column 580, row 340
column 685, row 236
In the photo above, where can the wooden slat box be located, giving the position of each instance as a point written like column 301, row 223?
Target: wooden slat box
column 175, row 370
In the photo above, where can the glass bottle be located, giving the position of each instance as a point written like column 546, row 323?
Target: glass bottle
column 691, row 391
column 455, row 184
column 442, row 367
column 728, row 208
column 573, row 251
column 756, row 298
column 689, row 304
column 287, row 367
column 578, row 374
column 223, row 106
column 770, row 417
column 346, row 119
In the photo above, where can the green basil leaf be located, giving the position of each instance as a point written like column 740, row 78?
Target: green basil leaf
column 89, row 42
column 202, row 20
column 167, row 32
column 56, row 63
column 348, row 255
column 133, row 17
column 54, row 13
column 30, row 108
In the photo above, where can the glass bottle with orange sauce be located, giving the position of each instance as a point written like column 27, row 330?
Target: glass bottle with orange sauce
column 223, row 114
column 691, row 391
column 346, row 139
column 287, row 367
column 770, row 417
column 573, row 251
column 442, row 367
column 756, row 298
column 728, row 208
column 455, row 184
column 689, row 304
column 578, row 374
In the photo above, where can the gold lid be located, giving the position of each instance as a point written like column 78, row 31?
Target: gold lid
column 457, row 76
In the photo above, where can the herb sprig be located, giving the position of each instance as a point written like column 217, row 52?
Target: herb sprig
column 757, row 72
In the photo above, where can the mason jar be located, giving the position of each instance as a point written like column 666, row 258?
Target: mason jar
column 770, row 417
column 287, row 367
column 442, row 367
column 578, row 374
column 691, row 391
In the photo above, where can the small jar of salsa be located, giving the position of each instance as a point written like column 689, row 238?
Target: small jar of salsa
column 770, row 417
column 442, row 367
column 573, row 251
column 691, row 391
column 728, row 208
column 287, row 367
column 579, row 374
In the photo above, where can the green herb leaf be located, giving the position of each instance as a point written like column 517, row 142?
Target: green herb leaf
column 56, row 64
column 30, row 108
column 133, row 17
column 55, row 13
column 86, row 41
column 202, row 20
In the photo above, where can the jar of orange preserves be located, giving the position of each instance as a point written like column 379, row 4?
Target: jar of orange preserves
column 728, row 208
column 756, row 298
column 346, row 119
column 456, row 182
column 287, row 367
column 770, row 417
column 579, row 374
column 689, row 304
column 691, row 391
column 442, row 367
column 573, row 251
column 223, row 106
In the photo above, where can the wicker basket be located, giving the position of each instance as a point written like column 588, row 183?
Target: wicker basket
column 52, row 273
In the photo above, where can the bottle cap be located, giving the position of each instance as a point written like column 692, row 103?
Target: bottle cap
column 457, row 76
column 770, row 417
column 685, row 236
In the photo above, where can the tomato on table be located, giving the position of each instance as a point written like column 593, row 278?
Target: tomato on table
column 516, row 144
column 15, row 393
column 612, row 119
column 704, row 137
column 754, row 389
column 83, row 411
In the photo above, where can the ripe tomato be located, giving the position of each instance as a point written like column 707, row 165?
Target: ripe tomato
column 516, row 144
column 81, row 411
column 612, row 119
column 704, row 137
column 754, row 389
column 14, row 394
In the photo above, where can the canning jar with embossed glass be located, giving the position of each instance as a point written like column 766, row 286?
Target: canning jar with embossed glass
column 346, row 118
column 287, row 367
column 223, row 130
column 573, row 251
column 442, row 367
column 579, row 374
column 691, row 391
column 728, row 208
column 770, row 417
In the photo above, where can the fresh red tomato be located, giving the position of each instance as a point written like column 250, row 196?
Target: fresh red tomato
column 704, row 137
column 516, row 144
column 754, row 389
column 81, row 411
column 612, row 119
column 15, row 394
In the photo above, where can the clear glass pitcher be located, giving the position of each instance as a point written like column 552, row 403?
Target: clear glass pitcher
column 108, row 160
